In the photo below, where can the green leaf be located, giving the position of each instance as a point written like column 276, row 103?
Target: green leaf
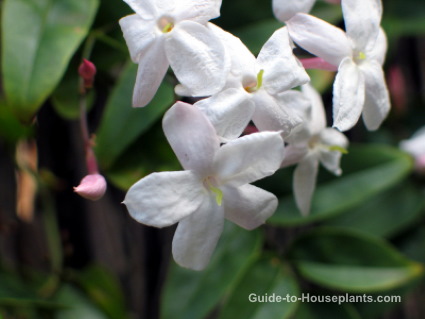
column 386, row 214
column 104, row 290
column 265, row 278
column 39, row 38
column 351, row 261
column 368, row 170
column 190, row 294
column 122, row 124
column 11, row 129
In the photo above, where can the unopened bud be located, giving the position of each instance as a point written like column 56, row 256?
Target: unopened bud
column 87, row 70
column 91, row 187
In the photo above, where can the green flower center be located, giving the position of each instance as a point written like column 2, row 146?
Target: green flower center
column 254, row 86
column 211, row 184
column 165, row 24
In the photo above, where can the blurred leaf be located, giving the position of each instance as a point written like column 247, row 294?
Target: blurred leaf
column 351, row 261
column 326, row 310
column 66, row 97
column 77, row 305
column 385, row 214
column 121, row 123
column 191, row 294
column 368, row 170
column 104, row 290
column 264, row 277
column 11, row 130
column 321, row 79
column 39, row 38
column 404, row 18
column 413, row 243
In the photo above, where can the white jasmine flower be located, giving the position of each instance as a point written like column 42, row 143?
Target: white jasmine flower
column 415, row 146
column 176, row 33
column 359, row 87
column 213, row 186
column 254, row 86
column 316, row 143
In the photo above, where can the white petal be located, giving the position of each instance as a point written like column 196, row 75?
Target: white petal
column 145, row 9
column 305, row 182
column 197, row 58
column 318, row 116
column 377, row 103
column 249, row 158
column 348, row 95
column 139, row 34
column 200, row 11
column 191, row 136
column 229, row 112
column 331, row 159
column 282, row 70
column 286, row 9
column 416, row 144
column 197, row 235
column 272, row 114
column 379, row 49
column 319, row 38
column 294, row 154
column 162, row 199
column 248, row 206
column 362, row 20
column 153, row 65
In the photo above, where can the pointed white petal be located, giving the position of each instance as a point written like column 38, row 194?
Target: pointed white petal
column 377, row 103
column 282, row 70
column 191, row 136
column 294, row 154
column 332, row 137
column 331, row 158
column 197, row 235
column 248, row 206
column 139, row 34
column 319, row 38
column 379, row 49
column 229, row 112
column 305, row 182
column 197, row 57
column 200, row 11
column 318, row 116
column 162, row 199
column 349, row 95
column 145, row 9
column 286, row 9
column 249, row 158
column 362, row 20
column 153, row 65
column 272, row 114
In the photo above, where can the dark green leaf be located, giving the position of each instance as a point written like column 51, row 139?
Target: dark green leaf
column 190, row 294
column 255, row 295
column 368, row 170
column 121, row 123
column 318, row 310
column 351, row 261
column 39, row 38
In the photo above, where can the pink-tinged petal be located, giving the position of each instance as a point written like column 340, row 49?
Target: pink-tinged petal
column 91, row 187
column 318, row 117
column 294, row 154
column 248, row 158
column 318, row 63
column 248, row 206
column 139, row 34
column 377, row 102
column 145, row 9
column 304, row 183
column 197, row 57
column 197, row 235
column 348, row 95
column 272, row 114
column 200, row 11
column 282, row 70
column 286, row 9
column 362, row 20
column 319, row 38
column 229, row 112
column 163, row 199
column 153, row 65
column 192, row 137
column 378, row 50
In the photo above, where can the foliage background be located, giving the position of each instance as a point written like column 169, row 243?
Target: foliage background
column 65, row 257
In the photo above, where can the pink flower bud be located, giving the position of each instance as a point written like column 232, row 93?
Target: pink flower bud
column 91, row 187
column 87, row 70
